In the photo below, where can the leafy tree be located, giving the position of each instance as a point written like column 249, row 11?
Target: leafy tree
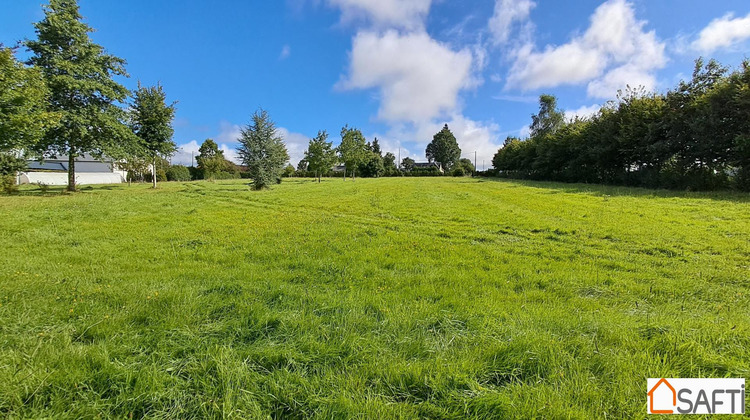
column 549, row 119
column 23, row 97
column 372, row 166
column 407, row 164
column 262, row 149
column 288, row 171
column 211, row 160
column 302, row 165
column 151, row 121
column 178, row 173
column 136, row 165
column 444, row 149
column 389, row 164
column 375, row 147
column 353, row 149
column 320, row 154
column 79, row 75
column 466, row 165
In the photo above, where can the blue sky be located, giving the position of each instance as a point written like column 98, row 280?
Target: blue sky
column 398, row 69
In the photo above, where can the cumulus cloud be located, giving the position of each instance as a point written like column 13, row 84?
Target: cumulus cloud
column 402, row 14
column 185, row 153
column 723, row 32
column 296, row 144
column 613, row 52
column 582, row 112
column 471, row 136
column 228, row 139
column 508, row 15
column 418, row 77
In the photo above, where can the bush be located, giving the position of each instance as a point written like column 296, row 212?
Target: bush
column 8, row 184
column 178, row 173
column 222, row 175
column 9, row 167
column 458, row 171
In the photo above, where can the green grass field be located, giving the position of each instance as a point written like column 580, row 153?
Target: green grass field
column 386, row 298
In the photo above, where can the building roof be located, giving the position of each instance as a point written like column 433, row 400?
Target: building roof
column 84, row 163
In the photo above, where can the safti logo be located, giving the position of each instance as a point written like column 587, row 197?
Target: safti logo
column 696, row 396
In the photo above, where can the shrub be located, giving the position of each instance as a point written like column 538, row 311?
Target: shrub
column 178, row 173
column 8, row 184
column 458, row 171
column 9, row 167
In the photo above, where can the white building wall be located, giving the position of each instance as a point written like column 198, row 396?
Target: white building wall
column 61, row 178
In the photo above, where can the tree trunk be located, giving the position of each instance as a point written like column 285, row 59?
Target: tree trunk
column 153, row 173
column 319, row 175
column 71, row 171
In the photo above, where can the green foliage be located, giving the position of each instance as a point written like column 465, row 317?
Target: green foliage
column 212, row 164
column 549, row 119
column 320, row 155
column 288, row 171
column 388, row 298
column 178, row 173
column 137, row 166
column 389, row 164
column 82, row 91
column 694, row 137
column 151, row 120
column 466, row 165
column 444, row 149
column 10, row 165
column 353, row 149
column 263, row 151
column 407, row 164
column 372, row 166
column 23, row 96
column 458, row 171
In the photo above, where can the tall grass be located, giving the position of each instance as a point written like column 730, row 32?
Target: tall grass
column 387, row 298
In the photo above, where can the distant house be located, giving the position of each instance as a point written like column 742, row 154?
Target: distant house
column 89, row 170
column 339, row 169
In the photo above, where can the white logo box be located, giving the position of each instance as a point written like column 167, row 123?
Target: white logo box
column 696, row 396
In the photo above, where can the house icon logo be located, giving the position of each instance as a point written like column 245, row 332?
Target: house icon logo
column 660, row 393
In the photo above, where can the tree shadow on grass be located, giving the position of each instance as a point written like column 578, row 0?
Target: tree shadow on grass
column 57, row 190
column 600, row 190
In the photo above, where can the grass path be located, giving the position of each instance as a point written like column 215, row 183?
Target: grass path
column 387, row 298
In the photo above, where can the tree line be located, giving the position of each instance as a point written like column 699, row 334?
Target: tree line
column 65, row 101
column 696, row 136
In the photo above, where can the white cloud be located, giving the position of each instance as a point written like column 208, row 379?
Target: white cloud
column 403, row 14
column 724, row 32
column 613, row 52
column 230, row 152
column 507, row 14
column 286, row 51
column 228, row 138
column 228, row 133
column 418, row 77
column 570, row 63
column 185, row 154
column 582, row 112
column 619, row 79
column 296, row 144
column 471, row 136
